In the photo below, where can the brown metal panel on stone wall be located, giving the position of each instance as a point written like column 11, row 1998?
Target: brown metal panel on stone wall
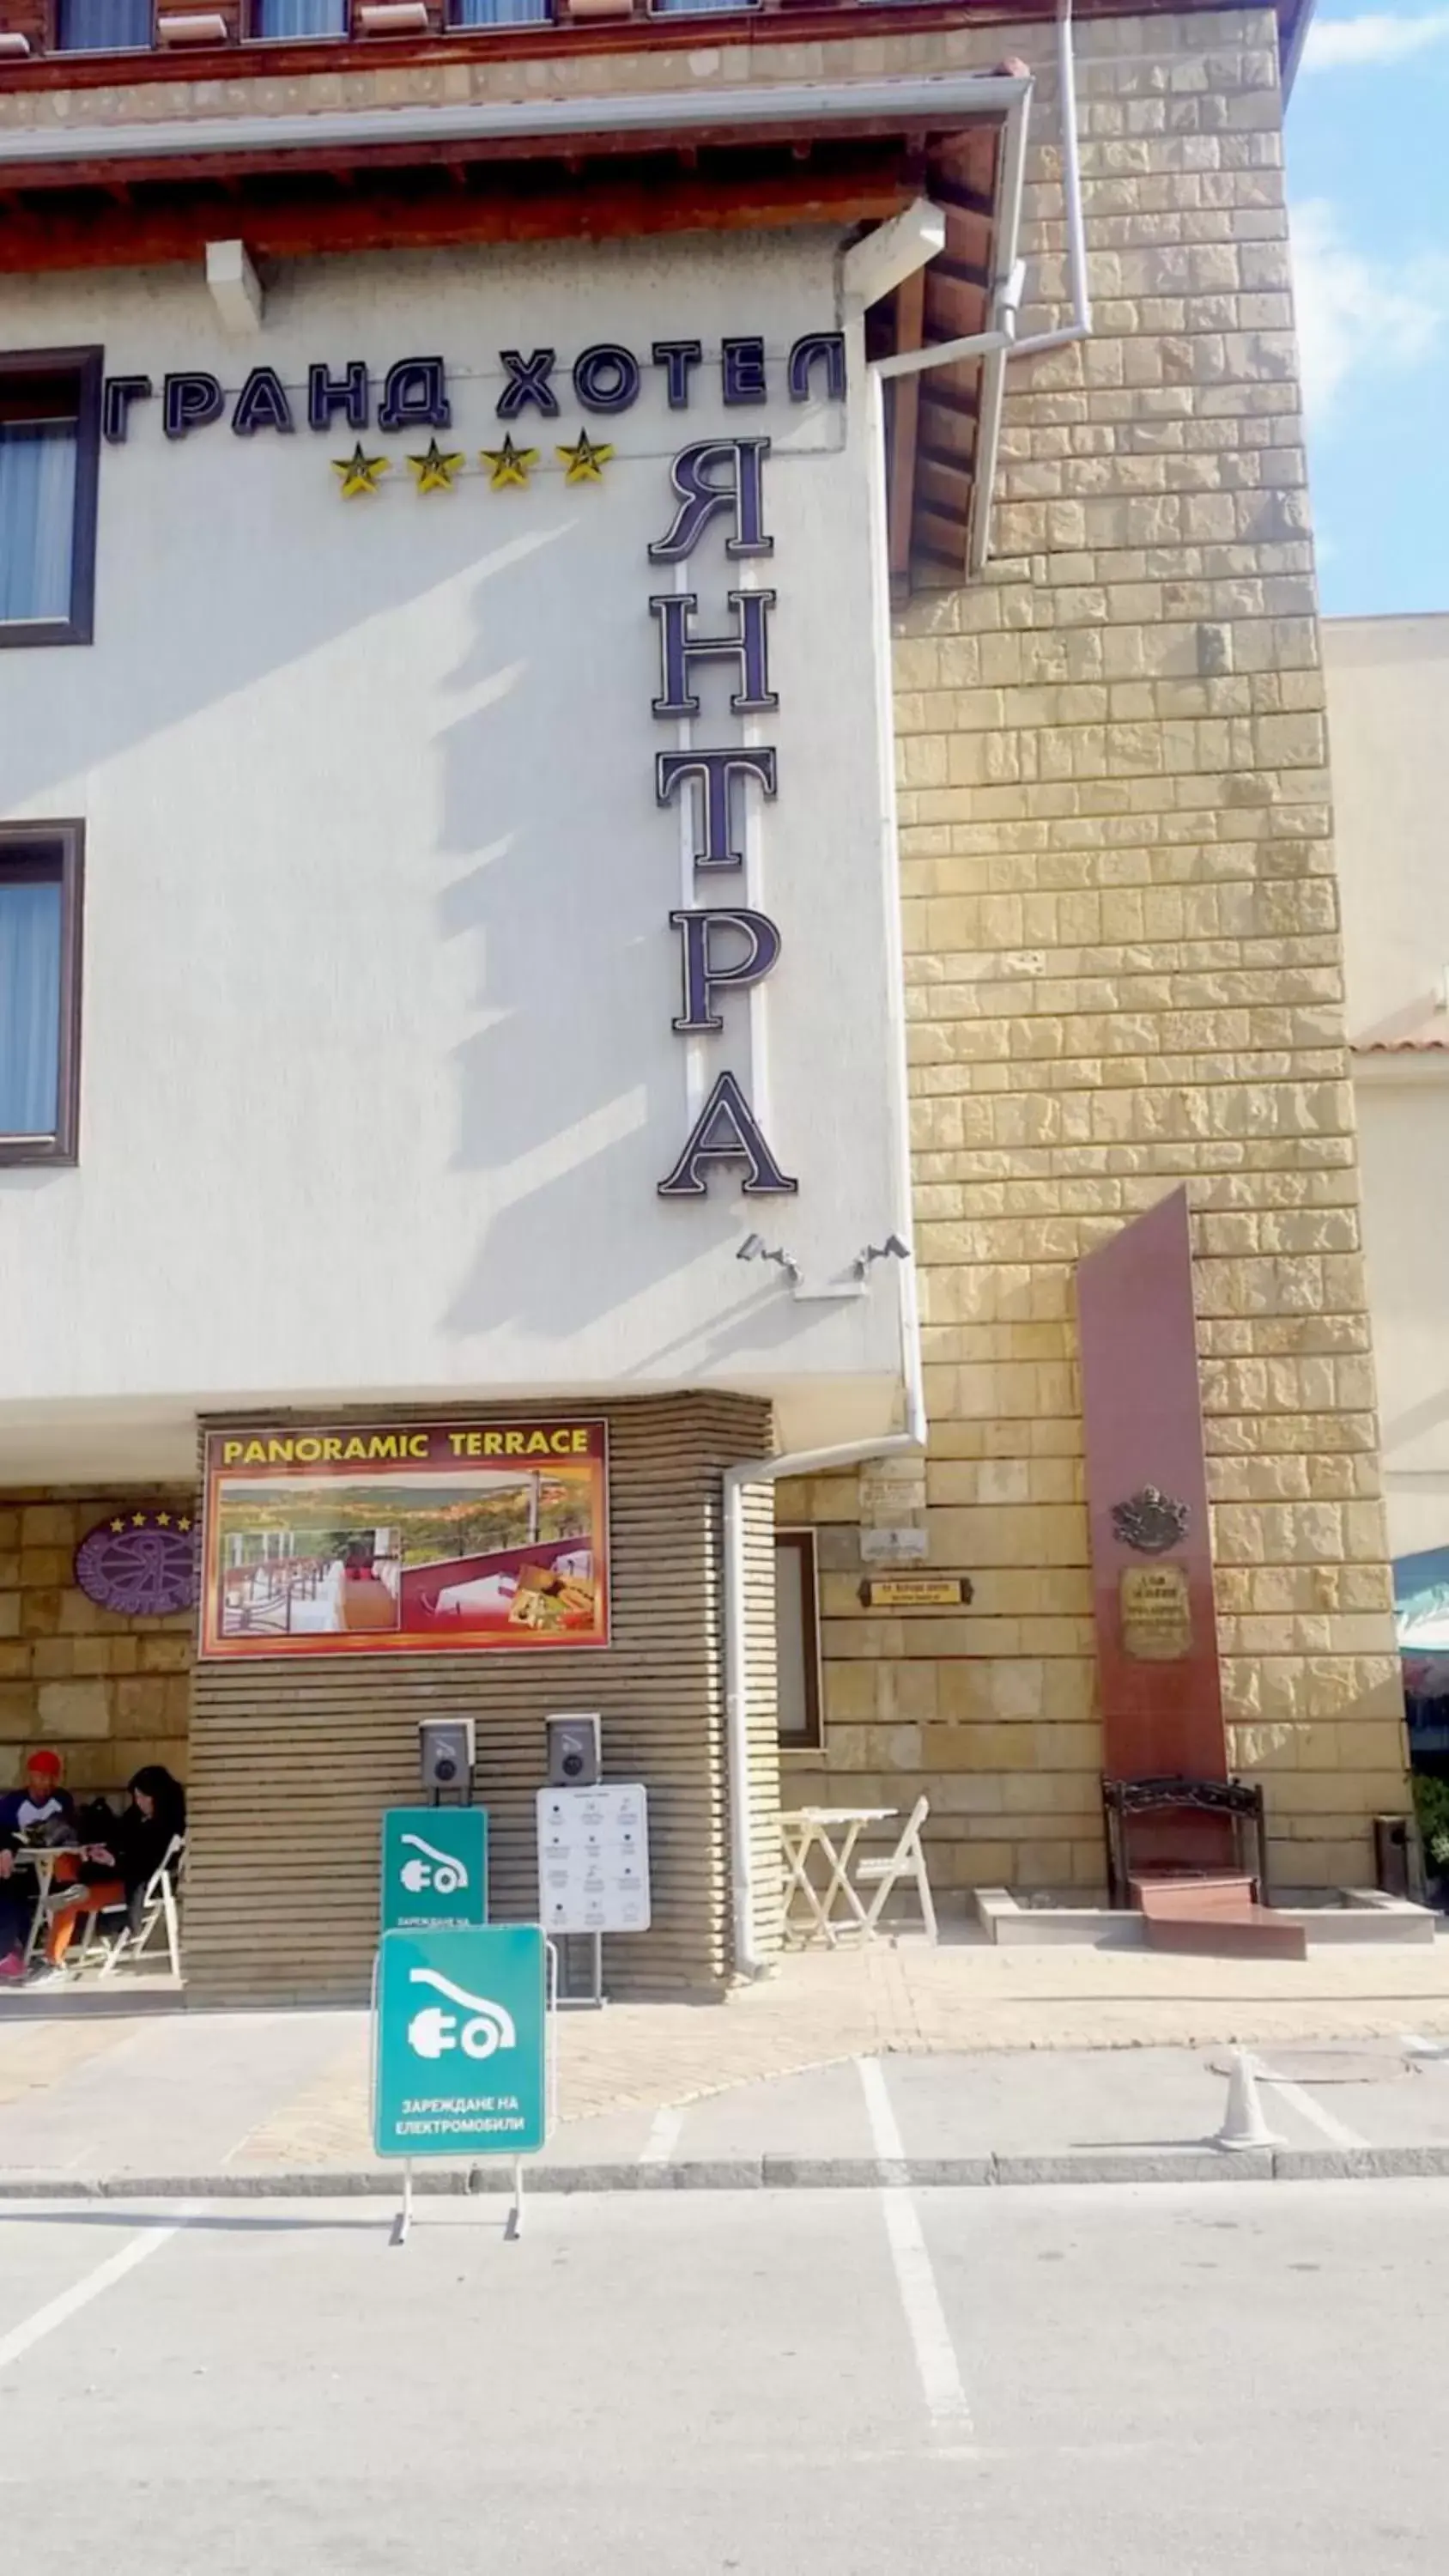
column 1147, row 1501
column 293, row 1763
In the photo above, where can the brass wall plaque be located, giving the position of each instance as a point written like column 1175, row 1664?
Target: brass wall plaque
column 1156, row 1614
column 916, row 1592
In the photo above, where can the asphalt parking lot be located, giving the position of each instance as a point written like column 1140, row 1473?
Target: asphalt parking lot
column 1066, row 2379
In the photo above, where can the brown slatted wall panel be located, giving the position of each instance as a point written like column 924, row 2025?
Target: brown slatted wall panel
column 762, row 1695
column 293, row 1763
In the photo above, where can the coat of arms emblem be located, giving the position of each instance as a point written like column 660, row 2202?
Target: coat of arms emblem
column 1150, row 1521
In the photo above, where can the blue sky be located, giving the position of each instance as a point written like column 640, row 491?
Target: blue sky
column 1368, row 184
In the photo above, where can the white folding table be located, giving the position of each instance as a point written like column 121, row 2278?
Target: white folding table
column 834, row 1833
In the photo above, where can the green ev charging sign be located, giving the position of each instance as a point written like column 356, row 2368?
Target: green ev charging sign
column 460, row 2043
column 434, row 1867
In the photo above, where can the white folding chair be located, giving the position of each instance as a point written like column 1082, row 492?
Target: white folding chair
column 908, row 1860
column 158, row 1906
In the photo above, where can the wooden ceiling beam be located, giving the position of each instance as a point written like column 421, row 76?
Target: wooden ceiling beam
column 868, row 140
column 967, row 201
column 107, row 236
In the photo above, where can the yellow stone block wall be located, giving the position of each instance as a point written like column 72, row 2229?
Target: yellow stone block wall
column 106, row 1692
column 1124, row 969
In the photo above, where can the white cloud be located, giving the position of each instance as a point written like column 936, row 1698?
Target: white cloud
column 1354, row 311
column 1334, row 43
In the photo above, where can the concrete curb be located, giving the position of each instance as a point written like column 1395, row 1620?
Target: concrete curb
column 1357, row 2164
column 1153, row 2164
column 1196, row 2164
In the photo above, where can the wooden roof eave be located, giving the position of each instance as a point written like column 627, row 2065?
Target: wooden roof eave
column 934, row 413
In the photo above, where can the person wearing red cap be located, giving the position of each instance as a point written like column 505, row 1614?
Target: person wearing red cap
column 41, row 1811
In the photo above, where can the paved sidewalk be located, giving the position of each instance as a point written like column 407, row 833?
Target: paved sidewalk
column 772, row 2076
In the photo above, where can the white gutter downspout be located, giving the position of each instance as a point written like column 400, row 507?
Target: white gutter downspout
column 994, row 346
column 1000, row 342
column 747, row 1959
column 993, row 373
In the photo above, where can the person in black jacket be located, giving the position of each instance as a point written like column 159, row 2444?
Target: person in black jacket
column 119, row 1870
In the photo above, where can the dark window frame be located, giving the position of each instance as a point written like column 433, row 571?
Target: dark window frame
column 453, row 25
column 253, row 32
column 54, row 45
column 52, row 844
column 801, row 1544
column 86, row 365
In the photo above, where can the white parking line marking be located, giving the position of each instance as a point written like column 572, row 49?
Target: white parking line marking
column 936, row 2363
column 57, row 2312
column 663, row 2136
column 885, row 2137
column 1326, row 2122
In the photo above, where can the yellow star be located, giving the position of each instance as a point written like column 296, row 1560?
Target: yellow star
column 585, row 461
column 184, row 1523
column 118, row 1525
column 163, row 1520
column 359, row 473
column 138, row 1520
column 435, row 471
column 508, row 464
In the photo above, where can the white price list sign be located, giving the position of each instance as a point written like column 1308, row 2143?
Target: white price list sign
column 593, row 1859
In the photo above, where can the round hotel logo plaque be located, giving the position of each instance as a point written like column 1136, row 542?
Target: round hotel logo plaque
column 141, row 1563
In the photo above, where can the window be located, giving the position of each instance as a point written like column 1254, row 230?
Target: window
column 797, row 1637
column 49, row 450
column 300, row 19
column 40, row 915
column 498, row 13
column 102, row 26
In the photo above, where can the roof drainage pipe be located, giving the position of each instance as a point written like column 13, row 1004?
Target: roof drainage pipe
column 748, row 1960
column 995, row 346
column 915, row 238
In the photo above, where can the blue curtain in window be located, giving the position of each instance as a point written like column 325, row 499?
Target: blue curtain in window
column 37, row 517
column 29, row 1009
column 302, row 17
column 499, row 13
column 103, row 26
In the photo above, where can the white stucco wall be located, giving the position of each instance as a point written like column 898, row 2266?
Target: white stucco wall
column 1388, row 699
column 378, row 1072
column 1388, row 712
column 1404, row 1145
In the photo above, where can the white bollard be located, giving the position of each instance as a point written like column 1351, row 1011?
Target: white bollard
column 1244, row 2124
